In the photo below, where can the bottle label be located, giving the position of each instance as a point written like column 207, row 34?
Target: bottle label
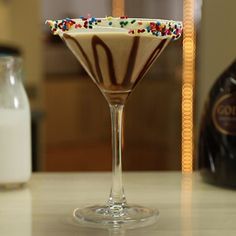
column 224, row 114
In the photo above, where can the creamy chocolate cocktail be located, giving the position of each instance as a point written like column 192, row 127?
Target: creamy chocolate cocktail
column 116, row 53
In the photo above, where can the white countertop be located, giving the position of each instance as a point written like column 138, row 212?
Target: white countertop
column 188, row 207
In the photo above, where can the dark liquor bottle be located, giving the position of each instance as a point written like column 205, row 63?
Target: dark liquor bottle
column 217, row 138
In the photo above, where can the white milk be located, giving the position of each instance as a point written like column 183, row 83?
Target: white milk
column 15, row 146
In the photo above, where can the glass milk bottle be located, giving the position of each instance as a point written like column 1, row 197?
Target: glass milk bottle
column 15, row 136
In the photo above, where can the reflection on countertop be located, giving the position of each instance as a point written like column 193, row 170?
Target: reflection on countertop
column 16, row 212
column 187, row 205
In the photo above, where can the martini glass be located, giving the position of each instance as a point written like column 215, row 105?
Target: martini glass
column 116, row 53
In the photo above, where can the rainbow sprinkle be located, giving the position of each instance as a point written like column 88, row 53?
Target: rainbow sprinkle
column 159, row 28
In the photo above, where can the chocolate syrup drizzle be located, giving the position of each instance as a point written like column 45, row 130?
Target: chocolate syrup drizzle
column 157, row 51
column 96, row 41
column 132, row 59
column 89, row 64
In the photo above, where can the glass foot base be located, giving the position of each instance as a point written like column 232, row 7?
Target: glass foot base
column 116, row 216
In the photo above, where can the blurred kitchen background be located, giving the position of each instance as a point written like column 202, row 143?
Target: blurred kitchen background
column 70, row 117
column 77, row 121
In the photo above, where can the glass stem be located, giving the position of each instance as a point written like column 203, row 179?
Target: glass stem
column 117, row 197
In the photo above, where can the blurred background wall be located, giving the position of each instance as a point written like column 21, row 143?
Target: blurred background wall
column 20, row 24
column 79, row 137
column 72, row 117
